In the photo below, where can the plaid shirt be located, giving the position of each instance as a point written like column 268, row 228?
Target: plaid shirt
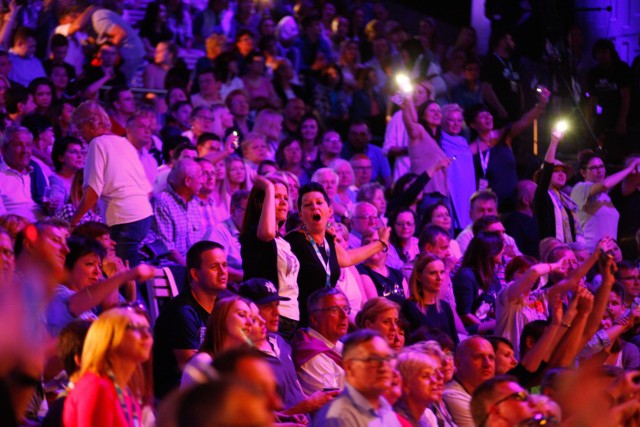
column 177, row 223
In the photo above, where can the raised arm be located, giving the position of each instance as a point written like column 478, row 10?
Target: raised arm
column 527, row 118
column 347, row 258
column 267, row 227
column 89, row 199
column 94, row 295
column 612, row 180
column 522, row 285
column 410, row 118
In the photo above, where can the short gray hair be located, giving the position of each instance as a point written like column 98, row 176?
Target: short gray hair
column 182, row 169
column 93, row 113
column 10, row 132
column 318, row 173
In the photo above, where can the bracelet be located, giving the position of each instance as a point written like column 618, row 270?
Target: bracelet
column 385, row 247
column 566, row 325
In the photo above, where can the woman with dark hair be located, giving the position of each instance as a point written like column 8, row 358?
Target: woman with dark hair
column 314, row 245
column 42, row 91
column 62, row 87
column 330, row 100
column 229, row 327
column 68, row 158
column 424, row 307
column 475, row 284
column 85, row 289
column 265, row 253
column 67, row 211
column 153, row 26
column 289, row 158
column 284, row 76
column 598, row 217
column 404, row 245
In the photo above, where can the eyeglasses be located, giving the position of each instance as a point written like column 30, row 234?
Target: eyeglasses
column 206, row 119
column 146, row 329
column 595, row 168
column 335, row 310
column 519, row 396
column 361, row 168
column 375, row 361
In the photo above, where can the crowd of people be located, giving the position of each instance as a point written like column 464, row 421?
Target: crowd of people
column 355, row 234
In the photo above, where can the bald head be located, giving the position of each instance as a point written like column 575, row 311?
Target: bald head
column 525, row 190
column 475, row 362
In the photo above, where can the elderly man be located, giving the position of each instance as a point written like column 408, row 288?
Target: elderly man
column 180, row 328
column 475, row 363
column 22, row 183
column 114, row 173
column 502, row 402
column 178, row 221
column 329, row 149
column 364, row 217
column 368, row 364
column 317, row 350
column 140, row 134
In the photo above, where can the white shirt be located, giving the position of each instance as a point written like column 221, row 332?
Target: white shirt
column 15, row 193
column 597, row 214
column 311, row 373
column 288, row 268
column 115, row 173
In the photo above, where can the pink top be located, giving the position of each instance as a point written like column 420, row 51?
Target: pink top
column 94, row 402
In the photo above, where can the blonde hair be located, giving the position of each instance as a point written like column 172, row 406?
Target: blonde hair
column 106, row 335
column 374, row 308
column 92, row 113
column 266, row 121
column 410, row 361
column 415, row 287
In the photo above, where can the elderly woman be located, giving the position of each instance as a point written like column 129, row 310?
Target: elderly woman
column 346, row 195
column 314, row 245
column 461, row 174
column 112, row 381
column 422, row 386
column 330, row 181
column 598, row 217
column 383, row 315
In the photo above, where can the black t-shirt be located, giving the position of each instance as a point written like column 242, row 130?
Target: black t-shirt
column 524, row 229
column 605, row 85
column 432, row 318
column 503, row 76
column 312, row 275
column 389, row 287
column 181, row 326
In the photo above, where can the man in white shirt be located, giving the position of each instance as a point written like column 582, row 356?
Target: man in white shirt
column 114, row 174
column 17, row 172
column 317, row 350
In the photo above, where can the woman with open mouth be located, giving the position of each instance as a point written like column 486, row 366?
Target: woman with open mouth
column 314, row 245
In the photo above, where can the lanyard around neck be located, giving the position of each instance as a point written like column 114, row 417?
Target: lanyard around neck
column 327, row 251
column 132, row 419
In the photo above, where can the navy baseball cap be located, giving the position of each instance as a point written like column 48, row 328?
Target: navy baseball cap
column 260, row 291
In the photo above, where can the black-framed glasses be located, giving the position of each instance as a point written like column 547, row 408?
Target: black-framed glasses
column 335, row 310
column 519, row 396
column 375, row 361
column 595, row 168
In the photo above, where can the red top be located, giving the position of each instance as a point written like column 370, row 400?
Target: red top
column 93, row 402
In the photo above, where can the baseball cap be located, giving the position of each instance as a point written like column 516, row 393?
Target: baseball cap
column 260, row 291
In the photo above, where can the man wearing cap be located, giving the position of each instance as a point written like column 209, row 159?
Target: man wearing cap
column 554, row 210
column 265, row 295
